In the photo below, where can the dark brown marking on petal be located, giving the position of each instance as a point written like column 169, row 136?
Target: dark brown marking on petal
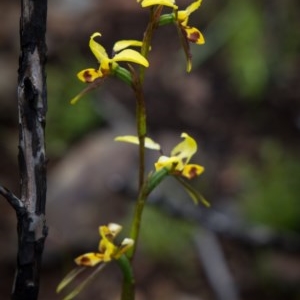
column 109, row 236
column 85, row 261
column 193, row 172
column 194, row 37
column 87, row 76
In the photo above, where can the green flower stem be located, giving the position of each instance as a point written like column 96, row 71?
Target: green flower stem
column 136, row 223
column 129, row 78
column 154, row 17
column 144, row 188
column 152, row 181
column 142, row 128
column 140, row 104
column 128, row 278
column 141, row 125
column 135, row 230
column 140, row 101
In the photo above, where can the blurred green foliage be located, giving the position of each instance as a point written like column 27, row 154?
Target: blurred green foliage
column 247, row 55
column 165, row 238
column 66, row 122
column 271, row 190
column 259, row 43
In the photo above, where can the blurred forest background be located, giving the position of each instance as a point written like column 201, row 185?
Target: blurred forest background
column 242, row 104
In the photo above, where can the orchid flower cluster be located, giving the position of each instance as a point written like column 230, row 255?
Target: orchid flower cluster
column 177, row 164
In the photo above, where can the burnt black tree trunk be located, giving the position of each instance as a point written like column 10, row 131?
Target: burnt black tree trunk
column 32, row 107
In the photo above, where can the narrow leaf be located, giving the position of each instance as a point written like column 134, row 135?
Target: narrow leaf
column 68, row 278
column 83, row 284
column 91, row 86
column 194, row 194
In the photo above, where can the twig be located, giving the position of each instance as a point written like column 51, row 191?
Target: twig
column 231, row 226
column 215, row 266
column 12, row 199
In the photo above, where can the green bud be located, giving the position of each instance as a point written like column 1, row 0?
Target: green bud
column 122, row 74
column 166, row 19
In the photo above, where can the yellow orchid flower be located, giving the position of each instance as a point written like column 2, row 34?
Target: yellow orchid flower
column 193, row 34
column 107, row 249
column 178, row 162
column 188, row 33
column 106, row 63
column 168, row 3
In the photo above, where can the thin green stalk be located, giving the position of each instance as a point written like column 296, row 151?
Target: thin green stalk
column 153, row 23
column 128, row 278
column 136, row 223
column 140, row 101
column 152, row 181
column 142, row 127
column 141, row 131
column 128, row 287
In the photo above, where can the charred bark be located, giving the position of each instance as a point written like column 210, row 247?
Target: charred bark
column 32, row 108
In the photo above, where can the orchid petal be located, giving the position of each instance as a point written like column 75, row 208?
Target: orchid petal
column 125, row 245
column 99, row 52
column 192, row 170
column 149, row 143
column 189, row 65
column 193, row 6
column 120, row 45
column 89, row 259
column 194, row 35
column 169, row 3
column 183, row 15
column 167, row 162
column 89, row 75
column 186, row 149
column 132, row 56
